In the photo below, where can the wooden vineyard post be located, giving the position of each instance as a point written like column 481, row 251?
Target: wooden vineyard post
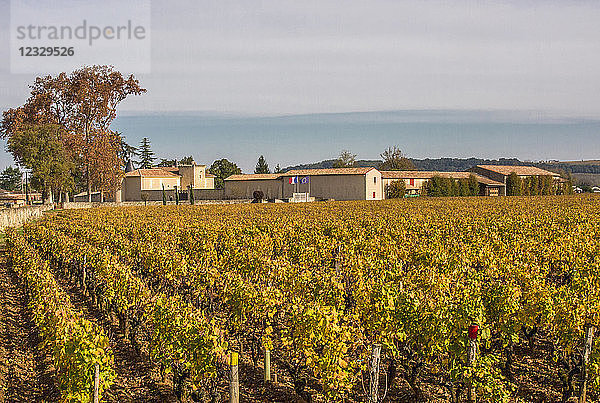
column 589, row 338
column 83, row 273
column 471, row 354
column 96, row 383
column 374, row 374
column 267, row 365
column 234, row 381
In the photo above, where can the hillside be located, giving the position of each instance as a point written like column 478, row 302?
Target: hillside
column 463, row 164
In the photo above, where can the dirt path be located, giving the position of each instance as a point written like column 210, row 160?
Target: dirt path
column 26, row 372
column 133, row 383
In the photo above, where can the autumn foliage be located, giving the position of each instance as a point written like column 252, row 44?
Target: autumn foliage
column 83, row 104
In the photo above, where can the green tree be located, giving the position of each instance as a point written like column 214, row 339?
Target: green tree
column 222, row 169
column 146, row 155
column 566, row 188
column 473, row 185
column 532, row 184
column 454, row 188
column 125, row 151
column 83, row 103
column 394, row 160
column 10, row 179
column 439, row 186
column 463, row 187
column 547, row 185
column 261, row 166
column 345, row 160
column 41, row 149
column 514, row 185
column 395, row 190
column 277, row 169
column 189, row 160
column 191, row 193
column 166, row 163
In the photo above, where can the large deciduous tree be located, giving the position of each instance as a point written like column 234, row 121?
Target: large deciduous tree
column 189, row 160
column 222, row 169
column 345, row 160
column 395, row 190
column 394, row 160
column 83, row 104
column 41, row 148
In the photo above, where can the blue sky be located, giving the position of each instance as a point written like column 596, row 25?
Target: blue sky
column 282, row 57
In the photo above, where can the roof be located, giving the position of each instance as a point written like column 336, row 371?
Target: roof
column 152, row 172
column 518, row 169
column 171, row 169
column 252, row 177
column 191, row 165
column 431, row 174
column 210, row 175
column 328, row 171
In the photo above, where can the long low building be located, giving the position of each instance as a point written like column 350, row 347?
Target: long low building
column 500, row 173
column 334, row 183
column 416, row 180
column 367, row 183
column 243, row 186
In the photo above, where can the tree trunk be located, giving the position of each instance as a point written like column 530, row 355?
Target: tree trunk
column 89, row 184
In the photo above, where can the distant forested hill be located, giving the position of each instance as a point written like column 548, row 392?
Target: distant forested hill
column 462, row 164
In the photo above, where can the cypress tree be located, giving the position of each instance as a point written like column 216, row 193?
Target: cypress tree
column 261, row 166
column 514, row 184
column 164, row 195
column 191, row 195
column 146, row 155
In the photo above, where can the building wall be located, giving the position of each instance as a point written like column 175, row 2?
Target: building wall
column 209, row 194
column 243, row 189
column 493, row 191
column 152, row 183
column 374, row 188
column 337, row 187
column 415, row 188
column 131, row 188
column 195, row 175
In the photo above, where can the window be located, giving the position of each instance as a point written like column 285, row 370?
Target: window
column 374, row 179
column 373, row 195
column 412, row 182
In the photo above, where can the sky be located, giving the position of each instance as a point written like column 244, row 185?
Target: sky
column 261, row 59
